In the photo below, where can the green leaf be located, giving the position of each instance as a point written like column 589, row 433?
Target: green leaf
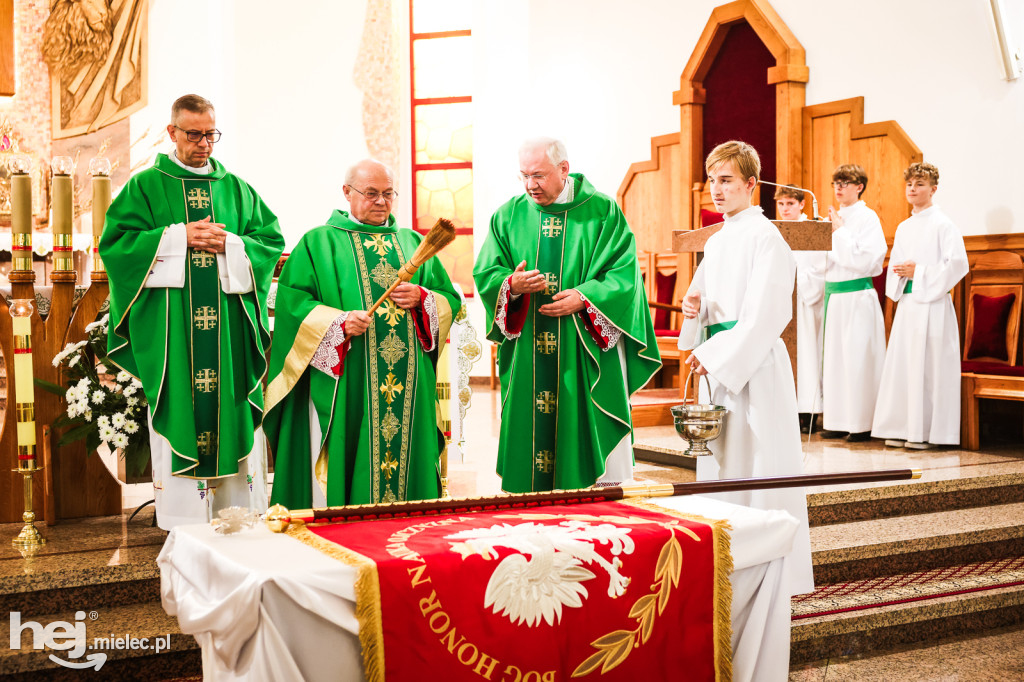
column 77, row 433
column 51, row 387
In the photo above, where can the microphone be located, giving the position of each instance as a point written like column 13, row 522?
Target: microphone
column 814, row 199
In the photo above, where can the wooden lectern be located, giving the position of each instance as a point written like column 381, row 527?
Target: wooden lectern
column 803, row 235
column 651, row 407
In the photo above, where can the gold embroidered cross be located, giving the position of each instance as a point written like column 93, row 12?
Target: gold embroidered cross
column 204, row 442
column 552, row 226
column 378, row 244
column 545, row 461
column 198, row 198
column 552, row 283
column 205, row 317
column 202, row 259
column 390, row 311
column 547, row 343
column 546, row 402
column 391, row 388
column 388, row 466
column 206, row 380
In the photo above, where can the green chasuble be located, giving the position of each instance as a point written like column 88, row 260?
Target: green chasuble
column 380, row 440
column 199, row 353
column 564, row 401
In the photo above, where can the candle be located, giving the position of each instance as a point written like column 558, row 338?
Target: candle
column 24, row 395
column 63, row 211
column 21, row 212
column 99, row 167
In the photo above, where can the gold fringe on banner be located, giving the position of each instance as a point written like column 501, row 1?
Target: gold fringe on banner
column 367, row 590
column 722, row 588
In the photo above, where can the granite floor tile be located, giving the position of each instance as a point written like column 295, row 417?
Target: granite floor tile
column 996, row 656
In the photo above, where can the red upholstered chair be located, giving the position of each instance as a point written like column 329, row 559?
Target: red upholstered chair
column 992, row 355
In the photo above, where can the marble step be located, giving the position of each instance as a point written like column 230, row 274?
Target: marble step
column 915, row 622
column 848, row 503
column 181, row 656
column 85, row 579
column 888, row 546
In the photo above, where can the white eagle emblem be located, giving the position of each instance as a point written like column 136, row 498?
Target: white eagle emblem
column 529, row 590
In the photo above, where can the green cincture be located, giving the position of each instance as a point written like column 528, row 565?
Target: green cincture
column 908, row 287
column 844, row 287
column 713, row 329
column 202, row 282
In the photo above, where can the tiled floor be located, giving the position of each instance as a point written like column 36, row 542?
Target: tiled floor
column 995, row 656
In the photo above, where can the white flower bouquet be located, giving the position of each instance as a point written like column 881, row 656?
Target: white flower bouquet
column 101, row 407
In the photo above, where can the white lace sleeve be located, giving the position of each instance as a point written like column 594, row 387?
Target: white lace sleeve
column 326, row 357
column 430, row 307
column 604, row 326
column 504, row 297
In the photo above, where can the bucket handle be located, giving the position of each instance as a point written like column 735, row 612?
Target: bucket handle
column 686, row 389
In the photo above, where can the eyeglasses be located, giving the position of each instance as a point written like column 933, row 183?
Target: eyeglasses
column 196, row 135
column 843, row 185
column 536, row 177
column 373, row 195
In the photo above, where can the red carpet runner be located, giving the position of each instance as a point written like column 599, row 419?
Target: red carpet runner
column 609, row 591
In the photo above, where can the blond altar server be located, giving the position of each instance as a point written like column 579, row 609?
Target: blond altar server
column 854, row 332
column 919, row 398
column 735, row 310
column 810, row 296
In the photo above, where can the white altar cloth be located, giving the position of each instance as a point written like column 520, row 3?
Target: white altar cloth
column 265, row 606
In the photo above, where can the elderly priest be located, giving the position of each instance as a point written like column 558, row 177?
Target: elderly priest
column 575, row 334
column 351, row 412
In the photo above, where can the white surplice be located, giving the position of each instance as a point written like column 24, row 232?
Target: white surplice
column 747, row 276
column 810, row 297
column 919, row 398
column 854, row 334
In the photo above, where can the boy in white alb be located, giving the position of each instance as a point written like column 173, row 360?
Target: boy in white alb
column 740, row 301
column 919, row 398
column 810, row 295
column 853, row 345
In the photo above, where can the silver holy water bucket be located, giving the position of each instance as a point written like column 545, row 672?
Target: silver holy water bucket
column 699, row 423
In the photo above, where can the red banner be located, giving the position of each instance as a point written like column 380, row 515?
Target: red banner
column 606, row 591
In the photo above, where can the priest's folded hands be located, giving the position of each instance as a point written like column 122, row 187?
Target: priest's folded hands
column 206, row 235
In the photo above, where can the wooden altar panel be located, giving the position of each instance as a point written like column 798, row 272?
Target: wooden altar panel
column 650, row 198
column 835, row 133
column 6, row 47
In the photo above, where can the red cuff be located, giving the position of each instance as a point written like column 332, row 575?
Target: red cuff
column 515, row 313
column 342, row 349
column 422, row 320
column 602, row 341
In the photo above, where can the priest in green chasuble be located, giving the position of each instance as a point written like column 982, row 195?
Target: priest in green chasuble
column 190, row 250
column 559, row 280
column 351, row 403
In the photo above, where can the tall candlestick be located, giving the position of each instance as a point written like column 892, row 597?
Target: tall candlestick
column 24, row 400
column 63, row 211
column 99, row 167
column 24, row 393
column 21, row 212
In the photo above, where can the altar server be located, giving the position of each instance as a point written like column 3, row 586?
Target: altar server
column 190, row 250
column 560, row 283
column 810, row 293
column 919, row 398
column 351, row 400
column 854, row 332
column 735, row 311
